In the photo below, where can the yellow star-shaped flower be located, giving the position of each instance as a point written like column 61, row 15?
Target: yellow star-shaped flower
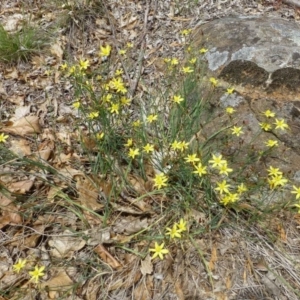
column 133, row 152
column 3, row 137
column 105, row 51
column 192, row 158
column 37, row 273
column 159, row 251
column 19, row 265
column 269, row 114
column 280, row 124
column 177, row 99
column 148, row 148
column 160, row 180
column 296, row 191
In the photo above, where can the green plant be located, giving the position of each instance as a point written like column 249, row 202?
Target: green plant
column 21, row 45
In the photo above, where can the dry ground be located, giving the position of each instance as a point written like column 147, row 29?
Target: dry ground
column 232, row 255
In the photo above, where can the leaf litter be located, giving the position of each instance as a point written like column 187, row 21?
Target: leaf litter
column 35, row 221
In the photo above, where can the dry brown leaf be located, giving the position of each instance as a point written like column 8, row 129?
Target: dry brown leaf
column 146, row 265
column 88, row 193
column 57, row 50
column 130, row 225
column 70, row 173
column 45, row 149
column 21, row 111
column 228, row 282
column 137, row 183
column 127, row 209
column 98, row 236
column 107, row 257
column 131, row 275
column 282, row 233
column 91, row 288
column 64, row 246
column 11, row 74
column 2, row 90
column 13, row 22
column 179, row 292
column 213, row 258
column 9, row 212
column 144, row 290
column 61, row 281
column 141, row 204
column 17, row 99
column 21, row 187
column 23, row 126
column 20, row 147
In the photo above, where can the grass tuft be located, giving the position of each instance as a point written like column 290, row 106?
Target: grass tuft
column 21, row 45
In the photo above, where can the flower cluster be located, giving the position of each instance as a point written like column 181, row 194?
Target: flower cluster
column 174, row 232
column 223, row 187
column 279, row 123
column 34, row 274
column 275, row 178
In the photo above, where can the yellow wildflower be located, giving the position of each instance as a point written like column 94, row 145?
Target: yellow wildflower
column 193, row 60
column 114, row 108
column 222, row 187
column 148, row 148
column 37, row 273
column 203, row 50
column 192, row 158
column 217, row 161
column 183, row 145
column 269, row 114
column 133, row 152
column 200, row 169
column 84, row 64
column 3, row 137
column 93, row 115
column 237, row 130
column 277, row 180
column 296, row 191
column 230, row 110
column 129, row 143
column 151, row 118
column 100, row 135
column 105, row 51
column 186, row 31
column 160, row 180
column 177, row 99
column 280, row 124
column 187, row 70
column 241, row 188
column 19, row 265
column 173, row 232
column 230, row 91
column 265, row 126
column 213, row 81
column 274, row 171
column 223, row 169
column 76, row 104
column 174, row 61
column 271, row 143
column 181, row 225
column 137, row 123
column 119, row 72
column 159, row 251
